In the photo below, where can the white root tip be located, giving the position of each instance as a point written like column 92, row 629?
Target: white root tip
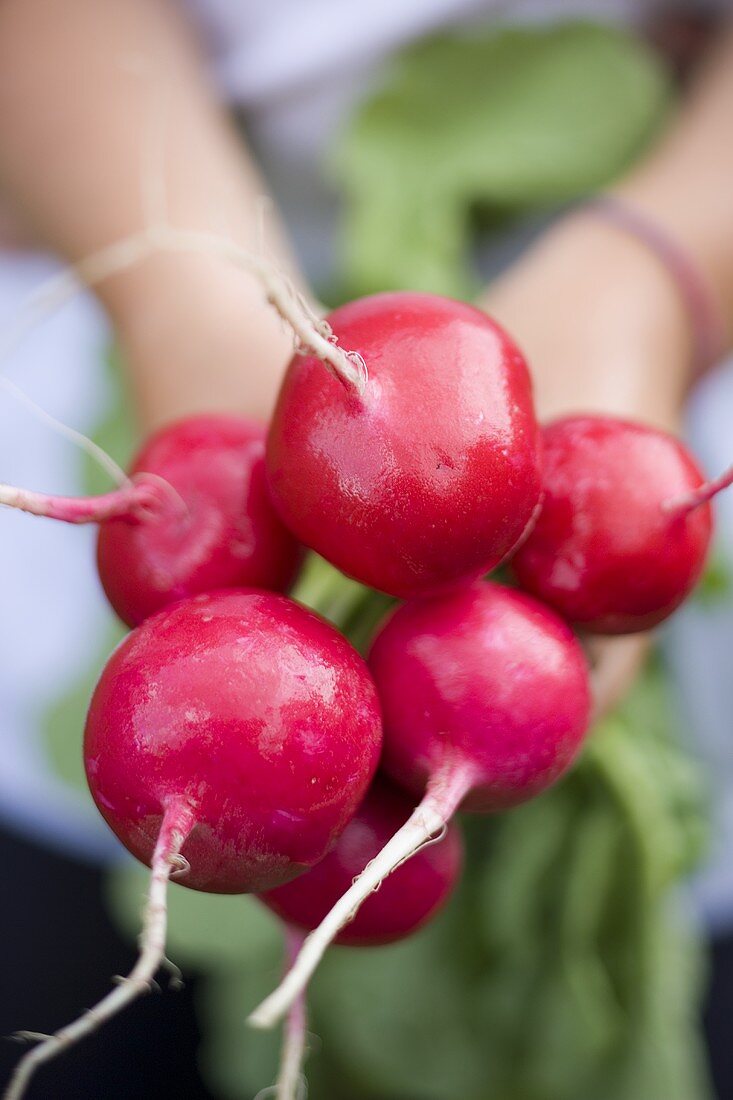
column 418, row 830
column 177, row 824
column 291, row 1083
column 447, row 788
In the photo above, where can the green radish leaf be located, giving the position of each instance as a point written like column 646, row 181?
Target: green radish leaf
column 398, row 1019
column 503, row 121
column 235, row 1060
column 116, row 432
column 514, row 893
column 62, row 725
column 576, row 923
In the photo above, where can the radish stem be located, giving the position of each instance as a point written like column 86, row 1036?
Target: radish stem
column 289, row 1084
column 681, row 506
column 133, row 501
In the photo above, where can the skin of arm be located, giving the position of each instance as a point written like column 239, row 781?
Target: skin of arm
column 88, row 90
column 81, row 87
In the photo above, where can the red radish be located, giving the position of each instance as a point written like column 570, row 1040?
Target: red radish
column 196, row 517
column 233, row 734
column 427, row 472
column 248, row 708
column 485, row 701
column 403, row 903
column 624, row 528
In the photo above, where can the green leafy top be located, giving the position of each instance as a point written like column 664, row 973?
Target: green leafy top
column 509, row 120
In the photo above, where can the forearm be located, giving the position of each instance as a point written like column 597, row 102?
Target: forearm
column 686, row 184
column 602, row 321
column 103, row 102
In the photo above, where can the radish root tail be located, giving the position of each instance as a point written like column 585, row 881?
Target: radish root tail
column 311, row 332
column 177, row 824
column 445, row 792
column 291, row 1083
column 679, row 507
column 147, row 496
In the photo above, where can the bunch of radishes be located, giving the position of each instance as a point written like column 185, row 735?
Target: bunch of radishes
column 234, row 736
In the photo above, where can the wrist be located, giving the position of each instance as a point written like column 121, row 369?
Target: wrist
column 695, row 291
column 662, row 200
column 600, row 321
column 684, row 185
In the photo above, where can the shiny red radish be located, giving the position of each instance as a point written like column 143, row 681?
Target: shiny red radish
column 624, row 528
column 426, row 473
column 485, row 702
column 195, row 517
column 231, row 736
column 252, row 711
column 404, row 902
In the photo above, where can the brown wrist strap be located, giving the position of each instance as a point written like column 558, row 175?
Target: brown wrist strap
column 706, row 323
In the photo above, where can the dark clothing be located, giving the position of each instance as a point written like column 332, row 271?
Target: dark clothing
column 58, row 953
column 59, row 950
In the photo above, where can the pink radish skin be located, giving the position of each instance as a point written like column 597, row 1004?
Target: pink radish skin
column 485, row 700
column 427, row 473
column 404, row 902
column 229, row 741
column 251, row 712
column 195, row 517
column 484, row 689
column 227, row 536
column 624, row 528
